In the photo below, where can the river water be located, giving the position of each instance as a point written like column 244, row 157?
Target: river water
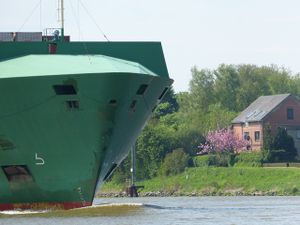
column 184, row 210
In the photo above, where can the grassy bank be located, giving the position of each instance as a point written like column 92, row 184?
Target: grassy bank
column 221, row 181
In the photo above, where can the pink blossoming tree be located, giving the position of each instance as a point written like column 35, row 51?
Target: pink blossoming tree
column 223, row 141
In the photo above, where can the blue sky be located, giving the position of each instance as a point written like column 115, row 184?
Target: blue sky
column 204, row 33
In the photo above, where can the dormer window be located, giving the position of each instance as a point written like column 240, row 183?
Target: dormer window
column 290, row 114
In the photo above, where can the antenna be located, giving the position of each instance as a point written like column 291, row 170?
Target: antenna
column 62, row 18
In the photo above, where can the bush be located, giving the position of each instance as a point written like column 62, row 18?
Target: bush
column 174, row 163
column 222, row 160
column 225, row 159
column 279, row 155
column 249, row 159
column 202, row 161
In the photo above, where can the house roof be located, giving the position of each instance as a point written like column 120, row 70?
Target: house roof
column 260, row 108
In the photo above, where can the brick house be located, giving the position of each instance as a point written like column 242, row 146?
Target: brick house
column 275, row 110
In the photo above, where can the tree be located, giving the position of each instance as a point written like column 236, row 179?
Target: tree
column 168, row 104
column 184, row 101
column 153, row 144
column 217, row 117
column 226, row 86
column 122, row 173
column 278, row 80
column 174, row 162
column 253, row 83
column 283, row 147
column 170, row 97
column 201, row 88
column 222, row 141
column 267, row 143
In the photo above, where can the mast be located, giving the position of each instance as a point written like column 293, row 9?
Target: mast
column 133, row 163
column 62, row 19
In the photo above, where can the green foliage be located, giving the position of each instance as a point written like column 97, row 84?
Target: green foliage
column 188, row 138
column 284, row 144
column 243, row 159
column 226, row 86
column 267, row 143
column 253, row 84
column 249, row 159
column 184, row 101
column 170, row 97
column 218, row 117
column 202, row 161
column 161, row 136
column 220, row 160
column 234, row 87
column 224, row 159
column 279, row 148
column 153, row 144
column 174, row 163
column 168, row 105
column 201, row 87
column 278, row 155
column 162, row 109
column 122, row 173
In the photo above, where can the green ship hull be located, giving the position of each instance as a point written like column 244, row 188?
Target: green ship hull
column 67, row 120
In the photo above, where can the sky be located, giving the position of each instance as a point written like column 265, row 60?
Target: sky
column 202, row 33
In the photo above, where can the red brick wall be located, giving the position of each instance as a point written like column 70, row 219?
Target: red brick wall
column 240, row 129
column 279, row 116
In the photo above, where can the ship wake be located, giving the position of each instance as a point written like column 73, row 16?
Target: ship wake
column 111, row 209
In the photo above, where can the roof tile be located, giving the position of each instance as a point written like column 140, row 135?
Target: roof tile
column 261, row 107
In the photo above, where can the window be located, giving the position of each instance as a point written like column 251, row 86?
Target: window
column 246, row 135
column 290, row 114
column 132, row 105
column 113, row 102
column 163, row 93
column 17, row 173
column 142, row 89
column 72, row 104
column 64, row 89
column 256, row 135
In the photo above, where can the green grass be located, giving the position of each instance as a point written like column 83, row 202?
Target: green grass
column 113, row 187
column 224, row 181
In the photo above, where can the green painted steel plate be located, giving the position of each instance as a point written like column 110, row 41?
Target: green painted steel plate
column 42, row 65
